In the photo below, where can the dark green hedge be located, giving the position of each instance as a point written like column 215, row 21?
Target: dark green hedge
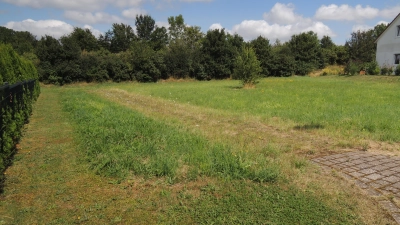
column 19, row 88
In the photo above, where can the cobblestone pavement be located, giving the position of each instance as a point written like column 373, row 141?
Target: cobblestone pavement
column 378, row 175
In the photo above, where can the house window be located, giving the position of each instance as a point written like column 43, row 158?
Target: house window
column 398, row 31
column 396, row 58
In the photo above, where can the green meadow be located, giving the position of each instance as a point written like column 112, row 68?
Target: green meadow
column 190, row 152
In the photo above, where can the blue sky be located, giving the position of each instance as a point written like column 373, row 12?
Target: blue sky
column 271, row 19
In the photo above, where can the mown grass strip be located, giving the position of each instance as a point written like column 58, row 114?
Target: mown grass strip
column 118, row 141
column 366, row 107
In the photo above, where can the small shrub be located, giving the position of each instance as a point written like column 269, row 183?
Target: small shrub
column 397, row 70
column 372, row 68
column 386, row 70
column 352, row 68
column 247, row 67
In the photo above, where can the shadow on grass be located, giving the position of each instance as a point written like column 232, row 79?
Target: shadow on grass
column 234, row 87
column 312, row 126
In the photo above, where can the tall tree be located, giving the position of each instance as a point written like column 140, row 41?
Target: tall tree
column 217, row 54
column 145, row 26
column 263, row 49
column 176, row 27
column 21, row 41
column 361, row 46
column 159, row 38
column 306, row 49
column 121, row 37
column 283, row 61
column 85, row 39
column 328, row 52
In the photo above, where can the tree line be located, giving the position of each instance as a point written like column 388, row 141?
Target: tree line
column 150, row 52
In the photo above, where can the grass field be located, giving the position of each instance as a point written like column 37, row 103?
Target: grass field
column 200, row 152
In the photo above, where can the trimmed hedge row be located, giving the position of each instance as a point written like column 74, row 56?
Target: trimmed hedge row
column 19, row 88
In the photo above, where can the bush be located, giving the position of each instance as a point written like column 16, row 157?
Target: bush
column 397, row 70
column 352, row 68
column 386, row 70
column 372, row 68
column 247, row 67
column 16, row 103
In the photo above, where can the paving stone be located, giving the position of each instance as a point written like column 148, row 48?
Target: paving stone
column 392, row 179
column 391, row 189
column 341, row 160
column 369, row 159
column 356, row 174
column 361, row 184
column 389, row 206
column 392, row 164
column 347, row 176
column 377, row 174
column 330, row 157
column 396, row 216
column 396, row 185
column 365, row 180
column 349, row 164
column 367, row 171
column 349, row 170
column 379, row 184
column 388, row 172
column 373, row 192
column 328, row 163
column 379, row 168
column 341, row 155
column 374, row 176
column 358, row 161
column 387, row 160
column 364, row 166
column 381, row 157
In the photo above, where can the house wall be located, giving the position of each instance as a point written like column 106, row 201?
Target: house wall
column 388, row 45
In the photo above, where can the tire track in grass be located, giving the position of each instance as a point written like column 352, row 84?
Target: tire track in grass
column 49, row 184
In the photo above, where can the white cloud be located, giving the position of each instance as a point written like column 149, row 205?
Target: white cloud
column 126, row 3
column 162, row 24
column 92, row 18
column 95, row 32
column 282, row 14
column 87, row 5
column 384, row 22
column 132, row 12
column 346, row 12
column 250, row 29
column 281, row 22
column 361, row 27
column 40, row 28
column 216, row 26
column 390, row 13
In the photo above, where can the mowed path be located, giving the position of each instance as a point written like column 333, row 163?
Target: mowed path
column 49, row 184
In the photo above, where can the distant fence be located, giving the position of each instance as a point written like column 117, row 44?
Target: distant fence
column 15, row 108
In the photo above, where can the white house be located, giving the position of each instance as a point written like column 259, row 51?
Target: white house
column 388, row 45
